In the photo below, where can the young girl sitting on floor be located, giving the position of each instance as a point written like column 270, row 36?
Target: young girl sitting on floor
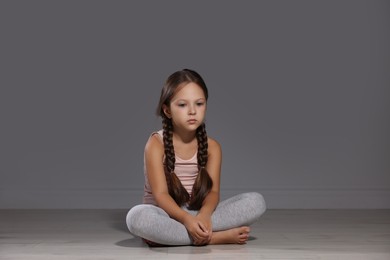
column 182, row 177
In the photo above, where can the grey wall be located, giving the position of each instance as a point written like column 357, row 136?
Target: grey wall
column 299, row 98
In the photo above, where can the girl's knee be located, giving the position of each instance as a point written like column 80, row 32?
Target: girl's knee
column 138, row 216
column 141, row 216
column 132, row 218
column 257, row 201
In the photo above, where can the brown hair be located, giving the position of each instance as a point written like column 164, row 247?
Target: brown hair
column 203, row 182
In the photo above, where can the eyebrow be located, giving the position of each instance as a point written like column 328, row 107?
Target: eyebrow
column 182, row 99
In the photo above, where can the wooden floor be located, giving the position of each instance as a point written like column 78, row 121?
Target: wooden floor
column 280, row 234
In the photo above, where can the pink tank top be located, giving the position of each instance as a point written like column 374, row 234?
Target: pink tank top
column 186, row 171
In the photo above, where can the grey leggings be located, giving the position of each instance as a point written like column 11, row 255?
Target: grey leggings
column 153, row 223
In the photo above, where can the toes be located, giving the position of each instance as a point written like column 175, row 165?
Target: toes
column 242, row 238
column 244, row 231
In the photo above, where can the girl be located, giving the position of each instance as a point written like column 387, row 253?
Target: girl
column 182, row 177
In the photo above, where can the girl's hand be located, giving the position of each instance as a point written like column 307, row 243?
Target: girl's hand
column 198, row 231
column 205, row 220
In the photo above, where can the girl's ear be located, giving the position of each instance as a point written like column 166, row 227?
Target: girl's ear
column 167, row 111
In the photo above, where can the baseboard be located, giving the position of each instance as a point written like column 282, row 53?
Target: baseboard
column 276, row 198
column 323, row 198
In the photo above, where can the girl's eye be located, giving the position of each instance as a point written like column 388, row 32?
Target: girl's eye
column 200, row 104
column 181, row 105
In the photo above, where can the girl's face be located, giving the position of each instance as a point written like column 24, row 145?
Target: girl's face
column 187, row 108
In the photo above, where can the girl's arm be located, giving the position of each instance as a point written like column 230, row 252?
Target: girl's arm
column 214, row 169
column 154, row 153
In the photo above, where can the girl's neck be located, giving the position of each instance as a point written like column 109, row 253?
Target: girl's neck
column 184, row 136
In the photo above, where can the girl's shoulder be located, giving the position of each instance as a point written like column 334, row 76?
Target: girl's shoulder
column 155, row 143
column 213, row 145
column 156, row 136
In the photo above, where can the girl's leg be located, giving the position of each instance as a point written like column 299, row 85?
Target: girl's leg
column 154, row 224
column 230, row 220
column 240, row 210
column 233, row 216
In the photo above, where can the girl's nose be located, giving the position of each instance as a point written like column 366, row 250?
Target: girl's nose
column 191, row 110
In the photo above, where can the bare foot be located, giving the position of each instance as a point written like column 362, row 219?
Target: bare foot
column 231, row 236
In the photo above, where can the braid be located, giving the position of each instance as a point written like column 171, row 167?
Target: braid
column 175, row 188
column 168, row 145
column 203, row 182
column 201, row 136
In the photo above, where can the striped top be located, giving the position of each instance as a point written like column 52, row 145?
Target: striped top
column 185, row 170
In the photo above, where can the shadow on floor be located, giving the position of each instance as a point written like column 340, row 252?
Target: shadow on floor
column 131, row 242
column 138, row 243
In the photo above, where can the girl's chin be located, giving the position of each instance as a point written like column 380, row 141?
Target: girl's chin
column 188, row 126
